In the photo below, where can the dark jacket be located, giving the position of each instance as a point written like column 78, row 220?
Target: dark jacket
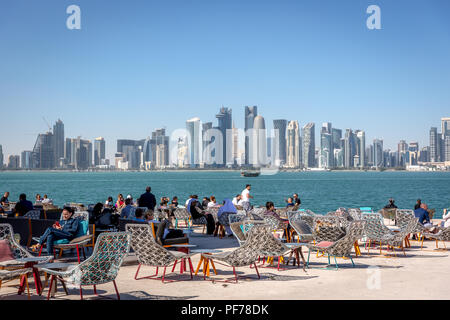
column 147, row 200
column 70, row 226
column 23, row 206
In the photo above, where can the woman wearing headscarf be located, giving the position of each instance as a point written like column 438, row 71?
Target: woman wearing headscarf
column 196, row 212
column 223, row 213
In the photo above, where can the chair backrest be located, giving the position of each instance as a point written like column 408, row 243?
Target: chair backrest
column 224, row 218
column 328, row 228
column 181, row 214
column 133, row 211
column 302, row 224
column 273, row 222
column 237, row 229
column 147, row 250
column 103, row 265
column 33, row 214
column 374, row 227
column 344, row 245
column 258, row 211
column 403, row 216
column 355, row 213
column 366, row 209
column 84, row 215
column 236, row 217
column 21, row 226
column 249, row 252
column 7, row 233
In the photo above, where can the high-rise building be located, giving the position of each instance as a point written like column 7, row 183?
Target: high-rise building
column 258, row 147
column 182, row 160
column 81, row 153
column 403, row 155
column 206, row 154
column 293, row 145
column 13, row 162
column 434, row 145
column 1, row 157
column 58, row 135
column 337, row 136
column 424, row 154
column 338, row 158
column 161, row 140
column 99, row 151
column 280, row 142
column 147, row 150
column 44, row 151
column 225, row 122
column 378, row 156
column 194, row 141
column 446, row 147
column 250, row 114
column 235, row 148
column 27, row 160
column 350, row 148
column 361, row 147
column 326, row 154
column 132, row 151
column 309, row 145
column 445, row 126
column 413, row 151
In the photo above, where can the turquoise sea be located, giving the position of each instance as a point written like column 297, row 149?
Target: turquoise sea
column 319, row 191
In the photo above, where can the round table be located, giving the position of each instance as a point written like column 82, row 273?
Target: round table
column 32, row 262
column 205, row 261
column 57, row 266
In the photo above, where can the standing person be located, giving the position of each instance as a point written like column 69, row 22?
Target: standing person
column 297, row 200
column 245, row 194
column 64, row 229
column 23, row 206
column 147, row 199
column 418, row 204
column 290, row 203
column 4, row 200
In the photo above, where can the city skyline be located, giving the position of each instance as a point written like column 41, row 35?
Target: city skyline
column 138, row 67
column 285, row 147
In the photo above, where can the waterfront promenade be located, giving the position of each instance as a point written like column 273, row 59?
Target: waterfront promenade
column 422, row 274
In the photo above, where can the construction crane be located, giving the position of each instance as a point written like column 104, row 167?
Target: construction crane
column 48, row 125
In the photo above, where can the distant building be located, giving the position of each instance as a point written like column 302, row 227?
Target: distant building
column 194, row 142
column 337, row 136
column 27, row 160
column 58, row 135
column 280, row 126
column 434, row 145
column 309, row 146
column 99, row 151
column 378, row 156
column 206, row 156
column 44, row 152
column 349, row 148
column 258, row 149
column 183, row 159
column 13, row 162
column 1, row 157
column 250, row 114
column 225, row 122
column 293, row 145
column 131, row 150
column 361, row 148
column 326, row 154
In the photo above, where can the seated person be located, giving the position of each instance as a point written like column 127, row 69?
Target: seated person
column 139, row 215
column 391, row 204
column 125, row 213
column 64, row 229
column 197, row 212
column 446, row 219
column 23, row 206
column 4, row 200
column 423, row 215
column 237, row 201
column 174, row 203
column 1, row 209
column 290, row 203
column 270, row 211
column 46, row 200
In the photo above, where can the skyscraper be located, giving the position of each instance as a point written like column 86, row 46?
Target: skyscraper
column 361, row 147
column 99, row 151
column 337, row 136
column 13, row 162
column 147, row 150
column 378, row 157
column 58, row 135
column 445, row 127
column 132, row 151
column 1, row 157
column 27, row 160
column 194, row 141
column 434, row 145
column 161, row 140
column 182, row 159
column 280, row 141
column 309, row 145
column 250, row 114
column 349, row 150
column 258, row 149
column 206, row 154
column 44, row 151
column 224, row 119
column 293, row 147
column 326, row 154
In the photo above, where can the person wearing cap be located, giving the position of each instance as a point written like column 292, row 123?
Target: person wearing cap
column 132, row 202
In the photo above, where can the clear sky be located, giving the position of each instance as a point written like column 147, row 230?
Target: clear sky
column 139, row 65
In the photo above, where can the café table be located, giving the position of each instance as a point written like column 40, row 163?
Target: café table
column 32, row 262
column 183, row 261
column 53, row 280
column 205, row 261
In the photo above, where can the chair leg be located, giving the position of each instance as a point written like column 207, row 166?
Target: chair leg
column 353, row 264
column 257, row 272
column 26, row 283
column 95, row 289
column 50, row 287
column 164, row 274
column 174, row 265
column 117, row 291
column 235, row 275
column 335, row 261
column 307, row 263
column 78, row 255
column 81, row 293
column 137, row 271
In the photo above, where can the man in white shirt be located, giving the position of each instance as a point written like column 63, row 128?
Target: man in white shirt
column 237, row 201
column 46, row 200
column 245, row 195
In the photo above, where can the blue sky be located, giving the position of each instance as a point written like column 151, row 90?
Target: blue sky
column 140, row 65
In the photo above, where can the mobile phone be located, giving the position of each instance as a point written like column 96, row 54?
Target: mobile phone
column 57, row 223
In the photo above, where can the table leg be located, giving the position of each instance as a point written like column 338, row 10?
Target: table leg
column 214, row 267
column 199, row 265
